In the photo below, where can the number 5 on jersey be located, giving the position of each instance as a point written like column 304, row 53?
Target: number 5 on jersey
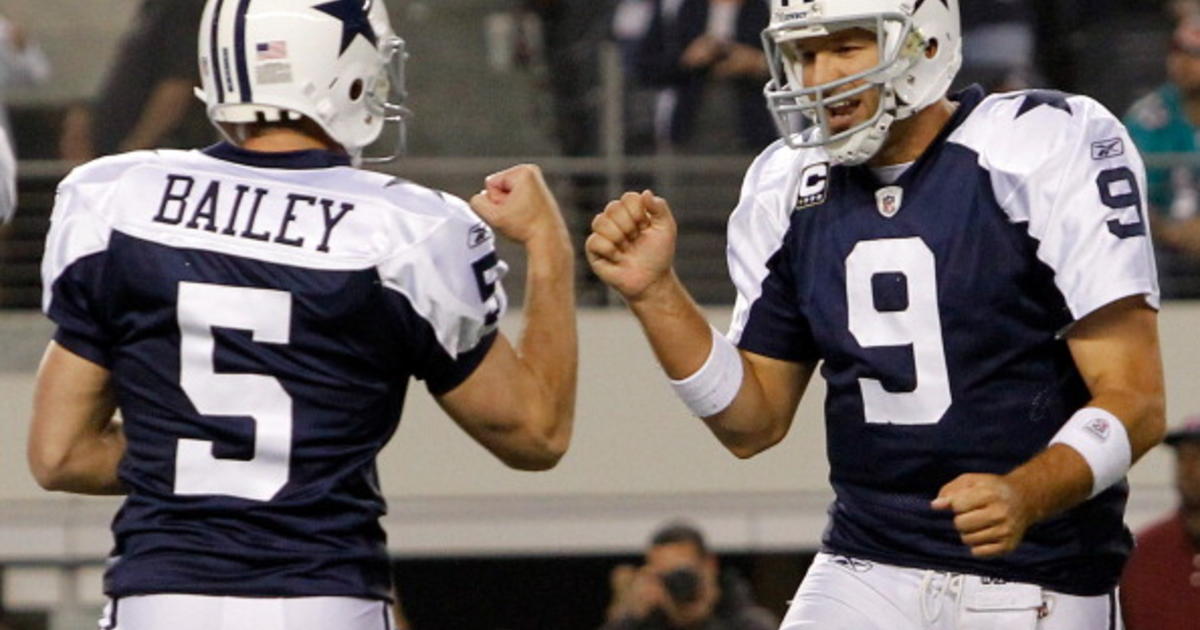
column 268, row 315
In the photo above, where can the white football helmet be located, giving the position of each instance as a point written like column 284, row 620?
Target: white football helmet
column 337, row 63
column 908, row 79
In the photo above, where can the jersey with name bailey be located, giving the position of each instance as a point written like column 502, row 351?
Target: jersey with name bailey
column 937, row 307
column 261, row 315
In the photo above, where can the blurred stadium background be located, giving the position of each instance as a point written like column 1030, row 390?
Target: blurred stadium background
column 477, row 546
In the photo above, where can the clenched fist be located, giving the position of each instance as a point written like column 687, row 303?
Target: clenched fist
column 517, row 203
column 632, row 245
column 990, row 513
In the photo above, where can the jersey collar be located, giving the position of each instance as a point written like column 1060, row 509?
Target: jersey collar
column 968, row 99
column 308, row 159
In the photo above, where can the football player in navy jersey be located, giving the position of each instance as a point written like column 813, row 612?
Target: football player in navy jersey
column 255, row 311
column 974, row 276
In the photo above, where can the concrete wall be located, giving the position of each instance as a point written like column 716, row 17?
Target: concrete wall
column 637, row 458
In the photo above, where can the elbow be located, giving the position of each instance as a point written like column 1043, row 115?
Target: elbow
column 541, row 450
column 537, row 456
column 1153, row 427
column 50, row 468
column 538, row 449
column 534, row 462
column 745, row 446
column 747, row 450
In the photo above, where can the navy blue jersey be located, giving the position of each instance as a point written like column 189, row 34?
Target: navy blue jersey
column 936, row 306
column 261, row 315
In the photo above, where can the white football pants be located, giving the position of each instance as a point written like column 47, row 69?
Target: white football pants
column 203, row 612
column 841, row 593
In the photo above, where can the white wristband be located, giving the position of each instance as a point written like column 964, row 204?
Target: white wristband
column 1101, row 439
column 712, row 388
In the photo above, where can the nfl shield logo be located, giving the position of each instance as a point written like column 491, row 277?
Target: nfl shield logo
column 888, row 199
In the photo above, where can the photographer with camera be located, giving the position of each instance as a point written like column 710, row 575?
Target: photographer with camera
column 681, row 587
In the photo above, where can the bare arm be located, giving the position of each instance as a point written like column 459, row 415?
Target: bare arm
column 632, row 248
column 74, row 444
column 163, row 111
column 520, row 402
column 1116, row 351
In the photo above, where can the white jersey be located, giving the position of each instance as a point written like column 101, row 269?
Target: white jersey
column 261, row 315
column 936, row 305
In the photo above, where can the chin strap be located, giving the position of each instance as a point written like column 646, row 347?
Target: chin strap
column 862, row 146
column 865, row 143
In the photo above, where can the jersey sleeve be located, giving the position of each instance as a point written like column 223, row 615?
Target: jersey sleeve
column 72, row 269
column 1085, row 205
column 448, row 287
column 767, row 318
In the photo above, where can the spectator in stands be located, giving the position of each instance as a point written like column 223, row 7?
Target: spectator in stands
column 572, row 31
column 681, row 586
column 998, row 44
column 22, row 63
column 631, row 22
column 706, row 58
column 146, row 99
column 1167, row 121
column 1161, row 587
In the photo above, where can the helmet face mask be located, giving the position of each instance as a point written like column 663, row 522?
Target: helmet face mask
column 919, row 52
column 386, row 98
column 335, row 63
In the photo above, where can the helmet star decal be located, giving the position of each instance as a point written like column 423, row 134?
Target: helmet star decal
column 353, row 14
column 921, row 2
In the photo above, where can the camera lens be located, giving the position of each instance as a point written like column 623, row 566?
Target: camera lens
column 683, row 585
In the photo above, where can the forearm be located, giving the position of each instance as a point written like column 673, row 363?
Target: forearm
column 677, row 331
column 90, row 466
column 682, row 340
column 75, row 444
column 548, row 345
column 1059, row 478
column 162, row 113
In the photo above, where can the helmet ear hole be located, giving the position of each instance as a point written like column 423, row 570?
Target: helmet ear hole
column 356, row 89
column 931, row 49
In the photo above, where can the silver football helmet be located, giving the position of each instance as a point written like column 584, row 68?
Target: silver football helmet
column 337, row 63
column 909, row 79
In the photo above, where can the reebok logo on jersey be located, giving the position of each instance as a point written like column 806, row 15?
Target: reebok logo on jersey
column 1100, row 428
column 478, row 235
column 814, row 186
column 1106, row 149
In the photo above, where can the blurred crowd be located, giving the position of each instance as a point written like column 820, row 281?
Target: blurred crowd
column 693, row 75
column 693, row 72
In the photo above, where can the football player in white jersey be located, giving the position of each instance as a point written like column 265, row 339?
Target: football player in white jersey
column 255, row 311
column 974, row 276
